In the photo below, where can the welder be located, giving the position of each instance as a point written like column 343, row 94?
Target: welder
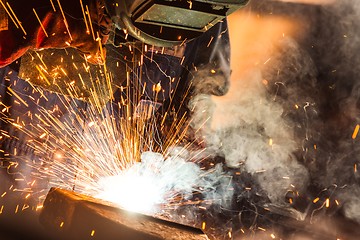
column 183, row 37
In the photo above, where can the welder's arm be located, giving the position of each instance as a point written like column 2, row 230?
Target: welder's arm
column 37, row 24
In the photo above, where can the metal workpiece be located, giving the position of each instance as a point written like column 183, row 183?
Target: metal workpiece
column 75, row 216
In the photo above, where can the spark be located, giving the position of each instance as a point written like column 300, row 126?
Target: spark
column 211, row 39
column 42, row 26
column 190, row 4
column 43, row 75
column 85, row 19
column 90, row 22
column 356, row 131
column 268, row 60
column 25, row 206
column 327, row 203
column 43, row 135
column 65, row 21
column 39, row 207
column 53, row 6
column 203, row 225
column 11, row 17
column 182, row 60
column 17, row 96
column 17, row 20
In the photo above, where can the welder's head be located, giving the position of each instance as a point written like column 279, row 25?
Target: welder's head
column 167, row 23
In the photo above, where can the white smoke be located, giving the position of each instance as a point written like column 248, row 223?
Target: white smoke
column 308, row 105
column 339, row 62
column 247, row 127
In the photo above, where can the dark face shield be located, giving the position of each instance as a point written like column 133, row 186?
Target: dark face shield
column 168, row 23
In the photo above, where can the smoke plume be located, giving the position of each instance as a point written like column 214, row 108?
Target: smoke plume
column 247, row 127
column 291, row 122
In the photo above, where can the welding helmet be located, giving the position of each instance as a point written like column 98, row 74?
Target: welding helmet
column 168, row 23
